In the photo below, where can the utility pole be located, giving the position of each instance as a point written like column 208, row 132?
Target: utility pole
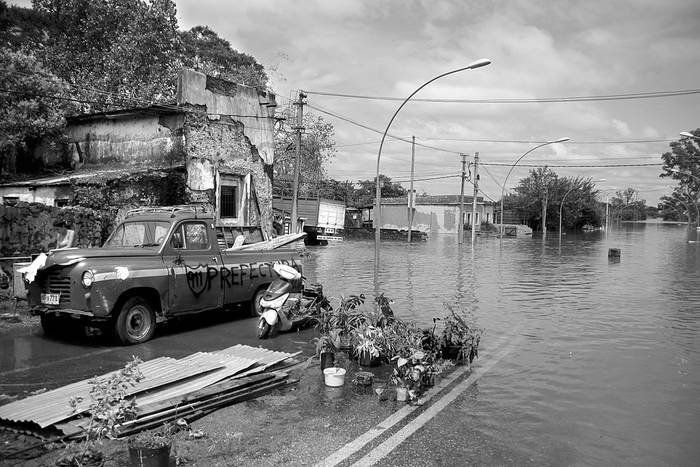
column 460, row 221
column 476, row 193
column 297, row 159
column 411, row 198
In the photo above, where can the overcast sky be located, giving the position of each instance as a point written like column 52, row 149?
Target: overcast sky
column 538, row 49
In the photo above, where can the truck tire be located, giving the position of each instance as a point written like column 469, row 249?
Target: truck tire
column 51, row 325
column 136, row 321
column 255, row 308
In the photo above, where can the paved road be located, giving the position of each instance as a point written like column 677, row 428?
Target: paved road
column 30, row 361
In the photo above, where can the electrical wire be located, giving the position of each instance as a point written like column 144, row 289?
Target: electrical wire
column 608, row 97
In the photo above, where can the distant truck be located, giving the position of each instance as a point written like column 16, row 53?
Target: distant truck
column 159, row 263
column 324, row 219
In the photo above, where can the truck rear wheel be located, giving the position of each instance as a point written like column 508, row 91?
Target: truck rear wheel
column 136, row 321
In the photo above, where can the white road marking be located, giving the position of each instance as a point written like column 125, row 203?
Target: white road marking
column 400, row 436
column 352, row 447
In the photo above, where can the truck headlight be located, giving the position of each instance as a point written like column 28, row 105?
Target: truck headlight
column 87, row 279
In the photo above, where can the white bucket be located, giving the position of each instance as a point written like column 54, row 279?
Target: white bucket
column 334, row 377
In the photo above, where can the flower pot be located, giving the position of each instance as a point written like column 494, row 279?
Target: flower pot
column 149, row 456
column 365, row 358
column 327, row 360
column 401, row 394
column 334, row 377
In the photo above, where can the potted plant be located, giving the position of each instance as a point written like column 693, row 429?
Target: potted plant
column 326, row 346
column 108, row 408
column 367, row 345
column 151, row 448
column 459, row 341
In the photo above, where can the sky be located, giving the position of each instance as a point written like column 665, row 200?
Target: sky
column 538, row 49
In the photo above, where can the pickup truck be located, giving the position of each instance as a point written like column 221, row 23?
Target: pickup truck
column 159, row 263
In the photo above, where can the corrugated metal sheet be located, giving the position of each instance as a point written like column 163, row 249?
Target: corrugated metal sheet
column 231, row 366
column 54, row 406
column 160, row 376
column 265, row 357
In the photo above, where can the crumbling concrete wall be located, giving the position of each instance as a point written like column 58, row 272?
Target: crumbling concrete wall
column 133, row 139
column 228, row 130
column 27, row 228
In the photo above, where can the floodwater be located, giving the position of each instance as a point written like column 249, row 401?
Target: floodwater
column 604, row 366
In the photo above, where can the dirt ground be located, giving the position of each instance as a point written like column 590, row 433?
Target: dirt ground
column 15, row 315
column 298, row 425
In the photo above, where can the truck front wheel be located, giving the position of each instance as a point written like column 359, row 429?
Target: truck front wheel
column 255, row 307
column 51, row 325
column 136, row 321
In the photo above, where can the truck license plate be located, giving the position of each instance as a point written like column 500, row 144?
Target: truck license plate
column 50, row 298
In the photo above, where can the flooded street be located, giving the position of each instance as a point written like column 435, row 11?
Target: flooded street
column 606, row 366
column 590, row 361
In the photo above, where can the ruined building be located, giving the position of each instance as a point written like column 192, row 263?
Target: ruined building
column 214, row 146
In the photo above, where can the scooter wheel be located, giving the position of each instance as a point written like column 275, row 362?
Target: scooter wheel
column 263, row 329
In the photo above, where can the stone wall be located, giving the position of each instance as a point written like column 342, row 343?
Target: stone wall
column 27, row 228
column 228, row 130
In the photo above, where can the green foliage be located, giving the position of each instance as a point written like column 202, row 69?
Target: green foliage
column 108, row 407
column 205, row 51
column 27, row 110
column 544, row 190
column 458, row 333
column 682, row 164
column 122, row 53
column 317, row 149
column 153, row 439
column 366, row 193
column 625, row 206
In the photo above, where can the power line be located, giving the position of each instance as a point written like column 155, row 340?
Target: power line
column 608, row 97
column 591, row 166
column 367, row 127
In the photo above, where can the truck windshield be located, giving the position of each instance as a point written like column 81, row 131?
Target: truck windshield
column 138, row 234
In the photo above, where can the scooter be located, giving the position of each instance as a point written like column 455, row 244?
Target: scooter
column 284, row 309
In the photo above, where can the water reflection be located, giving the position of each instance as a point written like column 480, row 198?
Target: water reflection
column 611, row 362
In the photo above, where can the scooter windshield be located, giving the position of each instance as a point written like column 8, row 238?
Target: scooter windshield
column 277, row 288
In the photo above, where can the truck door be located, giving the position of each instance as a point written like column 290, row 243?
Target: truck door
column 192, row 259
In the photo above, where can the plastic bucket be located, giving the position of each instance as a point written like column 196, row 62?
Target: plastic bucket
column 334, row 377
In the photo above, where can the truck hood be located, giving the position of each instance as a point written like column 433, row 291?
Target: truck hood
column 75, row 255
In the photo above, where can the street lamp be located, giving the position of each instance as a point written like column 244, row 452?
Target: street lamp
column 377, row 218
column 503, row 190
column 564, row 198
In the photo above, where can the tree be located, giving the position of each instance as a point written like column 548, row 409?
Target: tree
column 366, row 192
column 121, row 53
column 28, row 110
column 683, row 164
column 317, row 149
column 625, row 205
column 539, row 196
column 205, row 51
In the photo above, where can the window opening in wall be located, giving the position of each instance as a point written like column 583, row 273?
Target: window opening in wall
column 61, row 202
column 10, row 200
column 229, row 197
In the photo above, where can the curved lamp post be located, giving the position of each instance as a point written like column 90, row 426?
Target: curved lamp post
column 503, row 190
column 564, row 198
column 377, row 218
